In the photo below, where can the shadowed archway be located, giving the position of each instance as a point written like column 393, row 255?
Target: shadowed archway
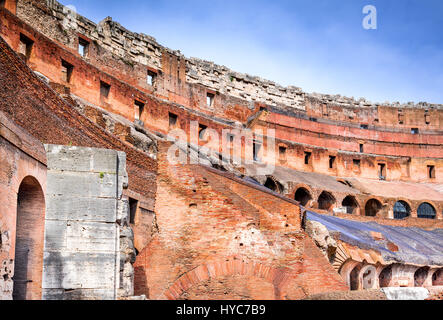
column 303, row 196
column 351, row 205
column 373, row 207
column 326, row 201
column 28, row 262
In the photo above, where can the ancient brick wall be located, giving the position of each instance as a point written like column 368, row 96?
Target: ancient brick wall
column 216, row 231
column 37, row 107
column 22, row 184
column 138, row 50
column 393, row 149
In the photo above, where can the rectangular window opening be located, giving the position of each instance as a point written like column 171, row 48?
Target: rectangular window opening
column 364, row 126
column 104, row 89
column 308, row 158
column 415, row 131
column 400, row 117
column 361, row 148
column 201, row 131
column 256, row 151
column 151, row 78
column 210, row 99
column 172, row 120
column 431, row 172
column 83, row 47
column 26, row 45
column 139, row 107
column 67, row 70
column 356, row 163
column 282, row 152
column 133, row 204
column 427, row 118
column 332, row 162
column 382, row 171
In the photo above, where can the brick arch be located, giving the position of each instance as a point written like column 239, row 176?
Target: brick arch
column 278, row 185
column 29, row 238
column 213, row 270
column 408, row 202
column 308, row 189
column 379, row 199
column 432, row 203
column 357, row 209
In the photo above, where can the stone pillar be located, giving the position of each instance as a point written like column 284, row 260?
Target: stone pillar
column 88, row 242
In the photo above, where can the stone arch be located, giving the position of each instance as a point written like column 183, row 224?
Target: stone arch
column 351, row 205
column 426, row 211
column 437, row 278
column 354, row 278
column 303, row 196
column 385, row 277
column 278, row 277
column 326, row 201
column 272, row 184
column 373, row 207
column 402, row 210
column 28, row 265
column 420, row 276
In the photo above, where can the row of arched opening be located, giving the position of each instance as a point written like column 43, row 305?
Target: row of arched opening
column 326, row 201
column 367, row 279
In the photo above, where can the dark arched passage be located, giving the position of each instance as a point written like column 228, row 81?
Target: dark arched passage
column 354, row 279
column 437, row 278
column 426, row 211
column 385, row 277
column 351, row 204
column 326, row 201
column 303, row 196
column 28, row 262
column 372, row 208
column 420, row 276
column 402, row 210
column 273, row 185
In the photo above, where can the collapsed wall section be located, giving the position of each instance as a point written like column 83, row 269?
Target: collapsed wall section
column 88, row 243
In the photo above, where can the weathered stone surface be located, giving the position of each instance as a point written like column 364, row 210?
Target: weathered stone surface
column 320, row 234
column 89, row 247
column 82, row 159
column 406, row 293
column 67, row 207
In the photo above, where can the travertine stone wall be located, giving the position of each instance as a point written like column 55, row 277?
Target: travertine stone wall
column 88, row 242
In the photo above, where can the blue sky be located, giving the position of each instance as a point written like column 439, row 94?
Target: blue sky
column 318, row 45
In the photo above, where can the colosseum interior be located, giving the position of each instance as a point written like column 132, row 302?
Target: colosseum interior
column 323, row 196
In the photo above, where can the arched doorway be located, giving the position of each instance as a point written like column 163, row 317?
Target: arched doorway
column 420, row 276
column 372, row 208
column 437, row 278
column 354, row 279
column 273, row 185
column 402, row 210
column 29, row 241
column 385, row 277
column 326, row 201
column 351, row 204
column 303, row 196
column 426, row 211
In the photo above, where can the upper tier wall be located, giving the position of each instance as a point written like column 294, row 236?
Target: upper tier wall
column 134, row 49
column 294, row 133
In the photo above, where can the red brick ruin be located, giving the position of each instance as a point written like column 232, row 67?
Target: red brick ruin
column 354, row 182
